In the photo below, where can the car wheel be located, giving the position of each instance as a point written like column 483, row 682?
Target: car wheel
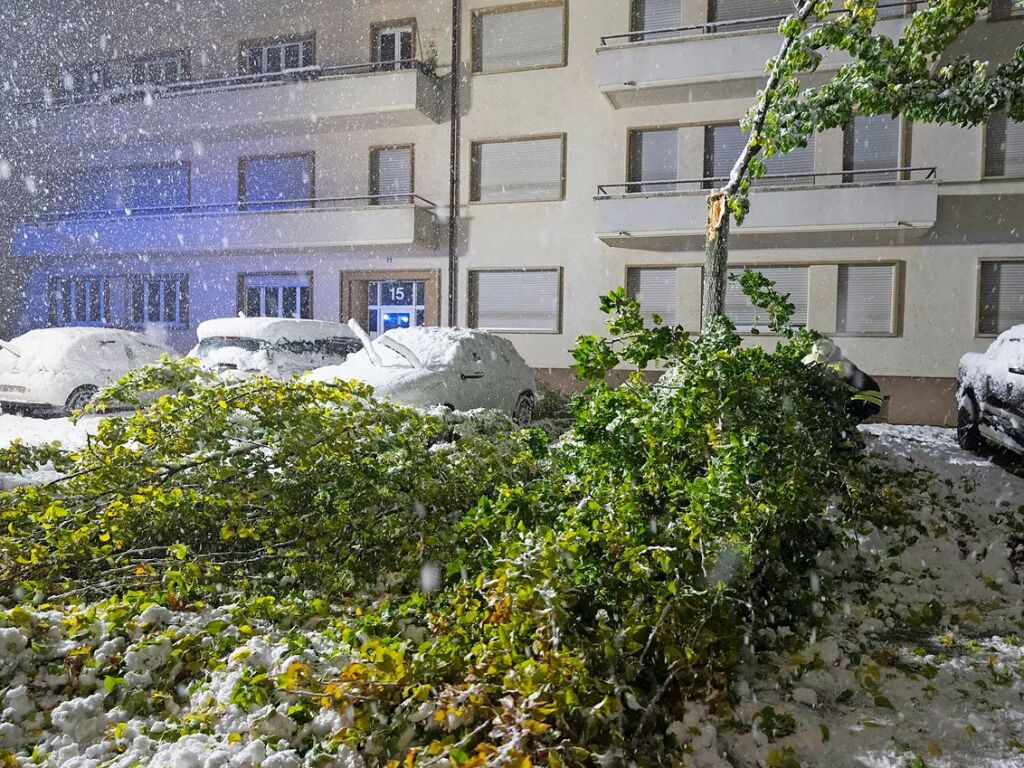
column 968, row 434
column 80, row 398
column 523, row 413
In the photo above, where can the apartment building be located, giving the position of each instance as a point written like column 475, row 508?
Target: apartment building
column 180, row 161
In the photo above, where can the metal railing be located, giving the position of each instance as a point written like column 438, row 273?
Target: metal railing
column 711, row 27
column 356, row 202
column 127, row 91
column 895, row 176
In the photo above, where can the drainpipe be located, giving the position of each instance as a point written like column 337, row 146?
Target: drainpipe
column 454, row 181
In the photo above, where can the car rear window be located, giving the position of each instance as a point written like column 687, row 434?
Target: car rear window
column 206, row 346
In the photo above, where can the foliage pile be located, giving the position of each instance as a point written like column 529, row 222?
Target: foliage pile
column 487, row 600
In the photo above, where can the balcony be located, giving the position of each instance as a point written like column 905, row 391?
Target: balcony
column 358, row 96
column 703, row 62
column 883, row 199
column 347, row 222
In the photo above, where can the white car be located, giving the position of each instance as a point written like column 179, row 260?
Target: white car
column 59, row 370
column 990, row 394
column 423, row 367
column 280, row 348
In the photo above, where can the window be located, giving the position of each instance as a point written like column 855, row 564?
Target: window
column 1005, row 9
column 277, row 56
column 278, row 295
column 1004, row 147
column 518, row 170
column 865, row 301
column 80, row 300
column 391, row 180
column 96, row 190
column 724, row 143
column 394, row 47
column 656, row 14
column 521, row 38
column 276, row 183
column 158, row 300
column 159, row 70
column 1001, row 300
column 653, row 156
column 761, row 13
column 871, row 143
column 87, row 79
column 516, row 300
column 396, row 304
column 159, row 186
column 655, row 289
column 788, row 280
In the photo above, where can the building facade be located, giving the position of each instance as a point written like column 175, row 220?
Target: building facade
column 179, row 162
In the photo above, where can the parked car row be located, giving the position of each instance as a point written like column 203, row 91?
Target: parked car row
column 58, row 370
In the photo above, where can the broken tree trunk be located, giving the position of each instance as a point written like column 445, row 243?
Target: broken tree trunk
column 716, row 256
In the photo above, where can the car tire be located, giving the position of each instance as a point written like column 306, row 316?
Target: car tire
column 523, row 413
column 968, row 433
column 80, row 398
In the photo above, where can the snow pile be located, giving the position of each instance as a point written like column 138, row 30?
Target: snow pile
column 31, row 431
column 116, row 688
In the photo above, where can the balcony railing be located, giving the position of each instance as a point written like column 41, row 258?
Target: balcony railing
column 241, row 206
column 127, row 91
column 885, row 11
column 870, row 176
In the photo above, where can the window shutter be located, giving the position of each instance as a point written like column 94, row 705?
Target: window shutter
column 515, row 300
column 283, row 280
column 1004, row 147
column 98, row 189
column 392, row 175
column 870, row 143
column 865, row 298
column 269, row 179
column 788, row 280
column 1001, row 303
column 517, row 170
column 529, row 37
column 724, row 143
column 732, row 10
column 654, row 156
column 655, row 289
column 657, row 14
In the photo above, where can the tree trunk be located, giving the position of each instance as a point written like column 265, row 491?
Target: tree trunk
column 716, row 256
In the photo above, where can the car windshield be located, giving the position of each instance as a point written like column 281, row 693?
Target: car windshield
column 206, row 346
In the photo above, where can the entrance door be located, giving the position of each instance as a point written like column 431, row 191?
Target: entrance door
column 396, row 304
column 393, row 47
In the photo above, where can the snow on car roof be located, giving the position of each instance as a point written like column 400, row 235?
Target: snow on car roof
column 436, row 347
column 271, row 329
column 48, row 347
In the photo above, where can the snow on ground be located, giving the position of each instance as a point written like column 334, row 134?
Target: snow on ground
column 920, row 663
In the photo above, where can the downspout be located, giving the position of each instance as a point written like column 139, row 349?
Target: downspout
column 454, row 180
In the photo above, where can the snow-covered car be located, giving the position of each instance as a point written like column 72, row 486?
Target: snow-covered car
column 276, row 347
column 59, row 370
column 458, row 367
column 990, row 394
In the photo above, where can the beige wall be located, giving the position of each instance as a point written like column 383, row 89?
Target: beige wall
column 938, row 268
